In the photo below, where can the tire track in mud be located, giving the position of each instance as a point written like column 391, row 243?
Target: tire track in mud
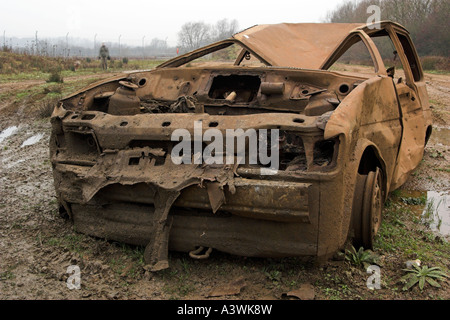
column 25, row 84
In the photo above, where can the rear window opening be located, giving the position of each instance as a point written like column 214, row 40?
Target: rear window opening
column 245, row 87
column 223, row 54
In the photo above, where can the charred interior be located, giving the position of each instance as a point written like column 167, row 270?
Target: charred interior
column 218, row 92
column 306, row 98
column 235, row 88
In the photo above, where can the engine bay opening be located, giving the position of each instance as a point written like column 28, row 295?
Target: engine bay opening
column 245, row 87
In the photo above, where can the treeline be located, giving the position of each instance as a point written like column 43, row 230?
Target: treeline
column 194, row 35
column 428, row 21
column 81, row 48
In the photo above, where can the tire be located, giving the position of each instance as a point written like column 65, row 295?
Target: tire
column 367, row 208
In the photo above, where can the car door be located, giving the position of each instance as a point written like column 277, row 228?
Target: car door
column 411, row 94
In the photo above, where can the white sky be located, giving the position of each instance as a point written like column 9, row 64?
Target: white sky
column 134, row 19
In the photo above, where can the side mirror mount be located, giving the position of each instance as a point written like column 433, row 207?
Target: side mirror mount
column 391, row 72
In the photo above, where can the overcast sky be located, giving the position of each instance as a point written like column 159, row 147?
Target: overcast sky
column 135, row 19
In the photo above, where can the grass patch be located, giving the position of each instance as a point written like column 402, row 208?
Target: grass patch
column 7, row 275
column 71, row 242
column 129, row 263
column 18, row 67
column 403, row 232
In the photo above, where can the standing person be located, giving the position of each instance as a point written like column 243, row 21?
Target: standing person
column 104, row 54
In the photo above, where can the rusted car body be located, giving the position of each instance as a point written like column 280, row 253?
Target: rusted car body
column 345, row 141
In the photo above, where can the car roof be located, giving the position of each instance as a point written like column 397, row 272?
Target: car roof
column 299, row 45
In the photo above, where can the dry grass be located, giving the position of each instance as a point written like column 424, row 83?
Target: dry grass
column 44, row 108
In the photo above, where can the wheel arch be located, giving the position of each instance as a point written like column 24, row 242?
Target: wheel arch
column 369, row 159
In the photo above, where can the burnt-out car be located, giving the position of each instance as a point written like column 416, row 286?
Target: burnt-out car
column 344, row 138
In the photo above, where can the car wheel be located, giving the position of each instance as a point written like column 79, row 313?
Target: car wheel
column 368, row 205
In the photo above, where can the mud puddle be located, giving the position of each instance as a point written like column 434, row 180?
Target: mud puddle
column 7, row 132
column 32, row 140
column 432, row 207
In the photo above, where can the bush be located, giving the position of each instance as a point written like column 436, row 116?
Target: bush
column 125, row 60
column 435, row 63
column 55, row 76
column 46, row 107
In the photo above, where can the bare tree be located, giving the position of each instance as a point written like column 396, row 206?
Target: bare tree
column 224, row 29
column 193, row 35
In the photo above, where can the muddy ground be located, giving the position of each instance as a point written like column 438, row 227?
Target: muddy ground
column 37, row 245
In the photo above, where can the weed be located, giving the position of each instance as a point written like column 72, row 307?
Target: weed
column 436, row 154
column 414, row 201
column 361, row 258
column 418, row 275
column 332, row 294
column 274, row 276
column 293, row 283
column 429, row 209
column 185, row 265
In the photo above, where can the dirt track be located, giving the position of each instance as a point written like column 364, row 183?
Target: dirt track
column 37, row 246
